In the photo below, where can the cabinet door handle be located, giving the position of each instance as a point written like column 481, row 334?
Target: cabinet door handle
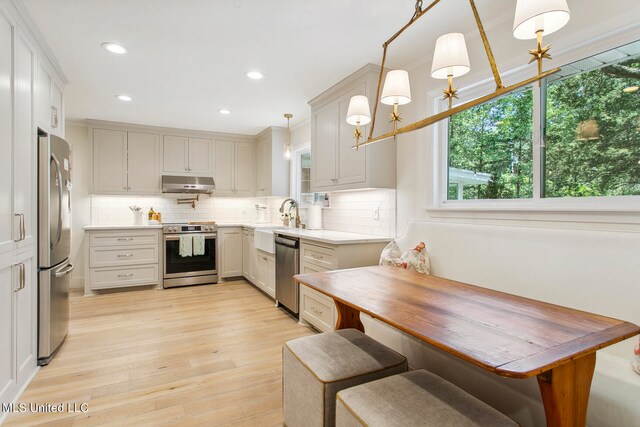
column 23, row 233
column 125, row 238
column 314, row 256
column 54, row 117
column 313, row 308
column 21, row 276
column 125, row 255
column 124, row 276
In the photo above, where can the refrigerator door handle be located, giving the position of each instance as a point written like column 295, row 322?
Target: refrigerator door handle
column 66, row 271
column 59, row 185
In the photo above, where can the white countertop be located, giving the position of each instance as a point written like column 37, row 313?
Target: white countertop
column 332, row 237
column 121, row 227
column 325, row 236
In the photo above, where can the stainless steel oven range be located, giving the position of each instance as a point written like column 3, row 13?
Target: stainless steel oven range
column 184, row 269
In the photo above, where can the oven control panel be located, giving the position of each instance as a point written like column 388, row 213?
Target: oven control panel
column 188, row 228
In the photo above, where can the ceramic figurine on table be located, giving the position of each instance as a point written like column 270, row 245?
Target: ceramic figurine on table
column 635, row 361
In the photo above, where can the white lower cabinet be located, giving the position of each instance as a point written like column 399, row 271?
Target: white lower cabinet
column 316, row 309
column 18, row 328
column 231, row 252
column 258, row 267
column 120, row 258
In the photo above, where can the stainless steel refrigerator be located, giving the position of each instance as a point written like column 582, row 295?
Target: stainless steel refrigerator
column 54, row 243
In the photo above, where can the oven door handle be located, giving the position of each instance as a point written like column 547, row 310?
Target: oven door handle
column 177, row 237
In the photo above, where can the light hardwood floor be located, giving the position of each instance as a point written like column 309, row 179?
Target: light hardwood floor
column 200, row 355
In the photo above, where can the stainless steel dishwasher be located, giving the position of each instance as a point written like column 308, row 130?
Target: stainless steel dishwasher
column 287, row 266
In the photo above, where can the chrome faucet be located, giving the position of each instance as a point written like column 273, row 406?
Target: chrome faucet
column 293, row 203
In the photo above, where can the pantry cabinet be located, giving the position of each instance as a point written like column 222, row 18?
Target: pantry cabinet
column 335, row 164
column 272, row 168
column 234, row 168
column 187, row 156
column 126, row 162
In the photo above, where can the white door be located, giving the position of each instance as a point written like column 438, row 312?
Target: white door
column 7, row 342
column 143, row 163
column 231, row 248
column 109, row 161
column 246, row 255
column 264, row 168
column 200, row 157
column 43, row 98
column 25, row 146
column 175, row 150
column 271, row 276
column 26, row 320
column 352, row 164
column 323, row 148
column 243, row 173
column 8, row 223
column 261, row 276
column 253, row 259
column 224, row 166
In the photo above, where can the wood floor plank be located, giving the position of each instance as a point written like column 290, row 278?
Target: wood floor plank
column 202, row 355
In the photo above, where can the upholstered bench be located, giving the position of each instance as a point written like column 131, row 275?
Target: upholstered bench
column 417, row 398
column 315, row 368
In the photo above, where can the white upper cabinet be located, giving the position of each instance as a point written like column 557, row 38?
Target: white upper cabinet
column 272, row 168
column 335, row 164
column 7, row 222
column 143, row 163
column 187, row 156
column 109, row 161
column 50, row 108
column 234, row 168
column 25, row 149
column 126, row 162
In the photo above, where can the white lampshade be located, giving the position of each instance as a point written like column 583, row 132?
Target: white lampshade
column 534, row 15
column 358, row 110
column 450, row 57
column 396, row 88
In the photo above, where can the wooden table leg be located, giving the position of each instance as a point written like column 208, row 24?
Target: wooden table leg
column 565, row 391
column 348, row 317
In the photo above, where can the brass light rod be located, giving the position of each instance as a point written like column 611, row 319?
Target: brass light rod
column 457, row 109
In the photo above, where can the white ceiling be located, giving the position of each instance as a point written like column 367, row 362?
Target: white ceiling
column 188, row 58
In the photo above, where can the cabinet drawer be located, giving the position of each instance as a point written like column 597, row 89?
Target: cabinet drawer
column 317, row 309
column 117, row 256
column 105, row 278
column 120, row 239
column 306, row 268
column 318, row 255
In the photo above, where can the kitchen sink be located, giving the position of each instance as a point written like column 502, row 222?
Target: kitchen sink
column 263, row 239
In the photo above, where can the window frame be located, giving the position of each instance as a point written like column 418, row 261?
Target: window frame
column 295, row 174
column 439, row 201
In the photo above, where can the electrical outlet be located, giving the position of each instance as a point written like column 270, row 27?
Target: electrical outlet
column 376, row 213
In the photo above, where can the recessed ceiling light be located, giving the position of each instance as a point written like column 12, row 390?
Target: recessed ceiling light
column 115, row 48
column 126, row 98
column 255, row 75
column 224, row 111
column 631, row 89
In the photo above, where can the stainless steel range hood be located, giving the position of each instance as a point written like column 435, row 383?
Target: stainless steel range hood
column 188, row 184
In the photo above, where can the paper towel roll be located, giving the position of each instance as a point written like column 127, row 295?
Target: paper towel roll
column 314, row 218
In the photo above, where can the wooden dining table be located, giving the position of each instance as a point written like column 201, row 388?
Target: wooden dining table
column 506, row 334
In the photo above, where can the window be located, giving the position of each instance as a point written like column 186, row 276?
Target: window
column 588, row 145
column 491, row 150
column 301, row 176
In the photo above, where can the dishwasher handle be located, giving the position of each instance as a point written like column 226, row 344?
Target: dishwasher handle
column 290, row 243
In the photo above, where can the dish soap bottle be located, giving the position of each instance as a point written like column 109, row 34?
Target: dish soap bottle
column 151, row 213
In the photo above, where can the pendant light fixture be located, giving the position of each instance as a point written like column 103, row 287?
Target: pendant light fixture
column 287, row 146
column 451, row 60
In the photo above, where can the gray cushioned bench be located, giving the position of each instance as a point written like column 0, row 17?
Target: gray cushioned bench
column 417, row 398
column 315, row 368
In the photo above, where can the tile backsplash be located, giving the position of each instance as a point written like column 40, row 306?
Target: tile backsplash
column 114, row 210
column 366, row 211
